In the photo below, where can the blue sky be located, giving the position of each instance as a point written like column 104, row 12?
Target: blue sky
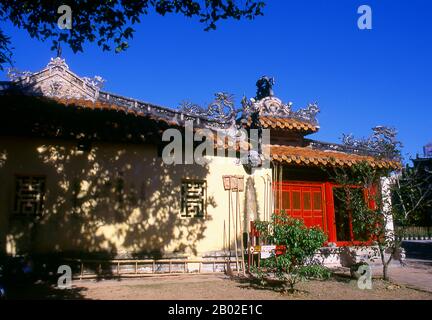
column 314, row 49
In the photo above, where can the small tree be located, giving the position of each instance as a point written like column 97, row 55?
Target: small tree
column 371, row 213
column 412, row 196
column 301, row 243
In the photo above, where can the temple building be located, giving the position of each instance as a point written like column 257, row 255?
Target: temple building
column 83, row 173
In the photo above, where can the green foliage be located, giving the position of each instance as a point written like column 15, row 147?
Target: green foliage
column 369, row 222
column 259, row 274
column 301, row 244
column 109, row 23
column 5, row 52
column 315, row 271
column 356, row 184
column 359, row 174
column 412, row 197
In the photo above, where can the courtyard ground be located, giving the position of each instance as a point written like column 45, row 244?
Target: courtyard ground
column 407, row 283
column 416, row 274
column 214, row 287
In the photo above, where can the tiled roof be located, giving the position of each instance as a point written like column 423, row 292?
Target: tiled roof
column 288, row 123
column 312, row 157
column 219, row 143
column 283, row 154
column 114, row 107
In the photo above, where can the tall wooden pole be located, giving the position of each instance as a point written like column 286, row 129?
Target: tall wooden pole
column 280, row 186
column 241, row 232
column 265, row 198
column 235, row 233
column 270, row 194
column 229, row 225
column 224, row 238
column 275, row 193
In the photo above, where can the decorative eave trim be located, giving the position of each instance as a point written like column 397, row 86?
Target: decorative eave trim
column 308, row 156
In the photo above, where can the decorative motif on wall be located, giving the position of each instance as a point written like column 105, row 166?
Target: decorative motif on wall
column 193, row 198
column 29, row 195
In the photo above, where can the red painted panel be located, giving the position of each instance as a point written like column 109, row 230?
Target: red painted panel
column 331, row 233
column 297, row 200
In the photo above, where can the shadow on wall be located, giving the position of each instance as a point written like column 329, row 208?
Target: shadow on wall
column 102, row 200
column 109, row 201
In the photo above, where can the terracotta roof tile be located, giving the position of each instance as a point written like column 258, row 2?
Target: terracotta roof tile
column 309, row 156
column 287, row 123
column 106, row 106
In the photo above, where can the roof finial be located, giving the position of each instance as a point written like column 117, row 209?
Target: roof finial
column 59, row 50
column 264, row 87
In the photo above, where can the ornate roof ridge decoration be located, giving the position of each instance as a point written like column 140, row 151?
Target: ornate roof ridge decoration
column 219, row 115
column 141, row 107
column 382, row 142
column 96, row 81
column 275, row 108
column 337, row 147
column 15, row 75
column 57, row 81
column 267, row 105
column 265, row 87
column 220, row 111
column 57, row 62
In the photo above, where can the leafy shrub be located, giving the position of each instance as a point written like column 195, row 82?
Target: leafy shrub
column 315, row 271
column 301, row 243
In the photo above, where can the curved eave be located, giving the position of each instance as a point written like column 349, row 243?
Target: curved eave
column 288, row 124
column 310, row 157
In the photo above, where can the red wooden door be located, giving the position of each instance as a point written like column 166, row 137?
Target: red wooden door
column 303, row 201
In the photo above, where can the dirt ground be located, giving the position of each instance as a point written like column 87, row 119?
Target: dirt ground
column 411, row 282
column 217, row 287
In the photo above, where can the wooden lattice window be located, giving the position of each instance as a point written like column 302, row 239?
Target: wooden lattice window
column 29, row 195
column 193, row 198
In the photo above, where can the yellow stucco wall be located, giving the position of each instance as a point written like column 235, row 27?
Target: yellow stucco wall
column 142, row 216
